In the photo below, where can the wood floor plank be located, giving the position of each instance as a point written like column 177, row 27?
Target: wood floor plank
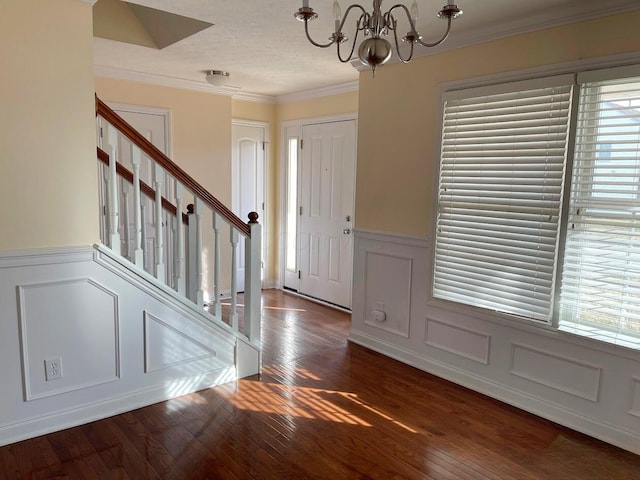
column 321, row 409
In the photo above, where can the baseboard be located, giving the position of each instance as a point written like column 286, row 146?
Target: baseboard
column 91, row 412
column 625, row 439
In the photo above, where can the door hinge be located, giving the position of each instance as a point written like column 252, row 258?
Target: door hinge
column 299, row 274
column 300, row 209
column 263, row 148
column 101, row 134
column 301, row 144
column 263, row 206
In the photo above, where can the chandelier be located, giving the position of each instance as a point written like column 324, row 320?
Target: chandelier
column 376, row 50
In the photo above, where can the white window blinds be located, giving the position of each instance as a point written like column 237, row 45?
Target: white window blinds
column 499, row 197
column 600, row 289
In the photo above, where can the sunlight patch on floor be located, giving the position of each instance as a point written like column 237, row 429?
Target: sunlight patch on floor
column 298, row 402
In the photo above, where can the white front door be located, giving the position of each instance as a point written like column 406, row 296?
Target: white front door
column 325, row 240
column 248, row 159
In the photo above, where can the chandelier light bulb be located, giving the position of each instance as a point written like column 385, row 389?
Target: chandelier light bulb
column 337, row 14
column 414, row 12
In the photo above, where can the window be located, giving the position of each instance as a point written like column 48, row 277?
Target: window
column 601, row 273
column 501, row 240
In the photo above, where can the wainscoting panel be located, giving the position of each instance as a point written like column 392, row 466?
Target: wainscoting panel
column 105, row 323
column 75, row 321
column 575, row 381
column 565, row 374
column 167, row 346
column 461, row 341
column 388, row 292
column 635, row 397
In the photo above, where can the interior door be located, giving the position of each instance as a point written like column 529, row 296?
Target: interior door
column 325, row 240
column 154, row 127
column 248, row 159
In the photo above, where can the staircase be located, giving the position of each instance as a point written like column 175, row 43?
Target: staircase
column 163, row 226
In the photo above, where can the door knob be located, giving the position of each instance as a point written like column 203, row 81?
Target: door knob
column 346, row 231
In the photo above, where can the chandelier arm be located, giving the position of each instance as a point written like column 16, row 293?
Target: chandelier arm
column 402, row 59
column 353, row 48
column 306, row 30
column 406, row 11
column 346, row 14
column 446, row 34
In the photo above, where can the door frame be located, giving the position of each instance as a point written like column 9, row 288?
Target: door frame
column 299, row 124
column 264, row 218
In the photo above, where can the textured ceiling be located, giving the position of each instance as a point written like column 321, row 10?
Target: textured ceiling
column 263, row 47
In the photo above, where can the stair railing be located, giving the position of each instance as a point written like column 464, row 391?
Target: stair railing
column 144, row 222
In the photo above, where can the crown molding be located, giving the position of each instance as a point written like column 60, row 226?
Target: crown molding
column 318, row 92
column 555, row 18
column 163, row 81
column 90, row 2
column 233, row 92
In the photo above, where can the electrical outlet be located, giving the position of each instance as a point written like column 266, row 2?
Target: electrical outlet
column 53, row 369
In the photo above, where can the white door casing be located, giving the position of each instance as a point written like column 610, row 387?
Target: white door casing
column 326, row 197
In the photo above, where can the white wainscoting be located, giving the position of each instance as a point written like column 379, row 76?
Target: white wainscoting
column 590, row 386
column 123, row 342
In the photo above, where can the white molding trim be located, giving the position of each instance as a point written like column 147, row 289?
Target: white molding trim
column 22, row 318
column 447, row 348
column 235, row 93
column 45, row 256
column 622, row 438
column 318, row 92
column 591, row 396
column 90, row 2
column 570, row 67
column 163, row 81
column 402, row 239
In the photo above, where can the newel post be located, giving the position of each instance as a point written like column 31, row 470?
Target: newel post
column 253, row 280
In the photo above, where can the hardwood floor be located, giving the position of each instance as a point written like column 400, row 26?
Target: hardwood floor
column 322, row 409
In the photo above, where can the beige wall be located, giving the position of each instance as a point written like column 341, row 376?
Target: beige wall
column 343, row 103
column 399, row 125
column 48, row 179
column 201, row 128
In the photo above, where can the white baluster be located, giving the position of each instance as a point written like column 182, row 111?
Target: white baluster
column 194, row 278
column 253, row 281
column 138, row 256
column 179, row 254
column 143, row 230
column 217, row 311
column 114, row 235
column 233, row 316
column 126, row 191
column 200, row 291
column 158, row 182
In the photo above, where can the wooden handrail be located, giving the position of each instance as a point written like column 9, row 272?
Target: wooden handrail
column 165, row 162
column 125, row 173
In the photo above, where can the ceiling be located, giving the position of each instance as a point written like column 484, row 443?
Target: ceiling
column 264, row 48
